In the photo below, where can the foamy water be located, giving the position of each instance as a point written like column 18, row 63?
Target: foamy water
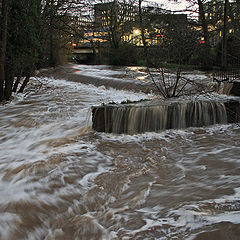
column 61, row 180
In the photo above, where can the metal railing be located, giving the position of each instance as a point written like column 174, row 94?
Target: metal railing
column 226, row 76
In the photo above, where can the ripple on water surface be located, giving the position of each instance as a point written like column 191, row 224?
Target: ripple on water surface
column 61, row 180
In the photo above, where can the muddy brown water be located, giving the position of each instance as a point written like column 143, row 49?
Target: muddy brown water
column 61, row 180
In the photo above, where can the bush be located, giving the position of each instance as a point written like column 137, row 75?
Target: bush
column 124, row 55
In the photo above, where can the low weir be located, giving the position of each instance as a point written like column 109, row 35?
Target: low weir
column 155, row 116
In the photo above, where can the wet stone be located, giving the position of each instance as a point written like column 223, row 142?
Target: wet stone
column 152, row 117
column 235, row 89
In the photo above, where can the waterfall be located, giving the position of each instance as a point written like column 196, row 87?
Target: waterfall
column 225, row 88
column 133, row 119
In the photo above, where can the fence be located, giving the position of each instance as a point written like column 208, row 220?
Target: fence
column 226, row 76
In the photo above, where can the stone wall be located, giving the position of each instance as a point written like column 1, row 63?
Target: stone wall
column 133, row 119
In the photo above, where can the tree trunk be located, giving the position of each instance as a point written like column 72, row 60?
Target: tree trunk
column 8, row 86
column 24, row 84
column 237, row 25
column 115, row 26
column 141, row 23
column 16, row 84
column 142, row 31
column 224, row 40
column 3, row 45
column 205, row 32
column 232, row 10
column 51, row 60
column 93, row 48
column 115, row 38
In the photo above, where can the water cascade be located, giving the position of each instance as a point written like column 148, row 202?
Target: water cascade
column 154, row 117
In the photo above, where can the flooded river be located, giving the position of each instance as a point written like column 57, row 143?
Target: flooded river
column 61, row 180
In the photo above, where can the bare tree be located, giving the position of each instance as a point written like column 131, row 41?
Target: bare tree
column 142, row 29
column 197, row 6
column 47, row 25
column 3, row 45
column 60, row 25
column 224, row 40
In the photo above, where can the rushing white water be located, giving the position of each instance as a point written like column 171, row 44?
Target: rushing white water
column 155, row 117
column 61, row 180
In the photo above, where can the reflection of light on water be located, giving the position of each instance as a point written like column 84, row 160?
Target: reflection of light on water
column 136, row 69
column 142, row 77
column 75, row 67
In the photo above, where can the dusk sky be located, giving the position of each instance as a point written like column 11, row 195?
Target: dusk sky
column 180, row 5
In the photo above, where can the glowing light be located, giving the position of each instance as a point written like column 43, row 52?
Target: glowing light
column 74, row 44
column 136, row 32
